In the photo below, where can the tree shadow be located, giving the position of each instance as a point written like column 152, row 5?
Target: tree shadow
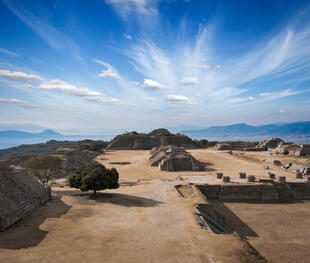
column 233, row 222
column 112, row 198
column 124, row 200
column 26, row 232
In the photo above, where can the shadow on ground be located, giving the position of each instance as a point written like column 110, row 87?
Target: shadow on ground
column 125, row 200
column 27, row 233
column 112, row 198
column 233, row 222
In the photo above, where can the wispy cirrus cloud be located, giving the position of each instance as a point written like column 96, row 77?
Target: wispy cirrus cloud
column 218, row 79
column 264, row 97
column 44, row 29
column 18, row 102
column 8, row 52
column 19, row 76
column 142, row 7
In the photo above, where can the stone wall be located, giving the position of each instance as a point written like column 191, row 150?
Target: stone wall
column 274, row 192
column 20, row 194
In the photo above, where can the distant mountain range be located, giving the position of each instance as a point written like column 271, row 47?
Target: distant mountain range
column 11, row 134
column 11, row 138
column 295, row 132
column 291, row 132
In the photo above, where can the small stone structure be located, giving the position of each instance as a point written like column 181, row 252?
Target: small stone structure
column 223, row 147
column 226, row 179
column 211, row 219
column 20, row 194
column 251, row 178
column 271, row 175
column 274, row 162
column 270, row 143
column 293, row 149
column 242, row 175
column 298, row 167
column 219, row 175
column 172, row 158
column 282, row 179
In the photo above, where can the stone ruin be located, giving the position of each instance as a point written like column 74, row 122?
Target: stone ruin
column 171, row 158
column 73, row 160
column 156, row 138
column 269, row 144
column 223, row 147
column 293, row 149
column 302, row 168
column 20, row 194
column 278, row 146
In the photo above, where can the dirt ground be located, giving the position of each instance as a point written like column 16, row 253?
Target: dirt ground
column 146, row 220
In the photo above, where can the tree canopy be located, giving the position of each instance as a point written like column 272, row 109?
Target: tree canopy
column 94, row 176
column 44, row 167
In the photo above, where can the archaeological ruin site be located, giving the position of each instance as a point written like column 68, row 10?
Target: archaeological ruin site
column 194, row 201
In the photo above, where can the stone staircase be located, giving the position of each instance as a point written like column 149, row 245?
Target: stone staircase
column 20, row 194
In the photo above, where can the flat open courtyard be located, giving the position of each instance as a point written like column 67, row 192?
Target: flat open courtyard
column 146, row 220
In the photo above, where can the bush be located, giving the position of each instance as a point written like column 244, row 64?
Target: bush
column 94, row 177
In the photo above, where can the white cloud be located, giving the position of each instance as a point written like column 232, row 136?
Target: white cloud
column 129, row 37
column 264, row 94
column 109, row 72
column 218, row 66
column 281, row 110
column 252, row 99
column 70, row 89
column 179, row 99
column 17, row 102
column 19, row 76
column 5, row 51
column 152, row 84
column 189, row 81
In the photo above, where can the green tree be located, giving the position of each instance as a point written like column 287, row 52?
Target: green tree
column 44, row 167
column 95, row 177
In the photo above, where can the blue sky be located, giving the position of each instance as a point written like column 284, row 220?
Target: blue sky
column 94, row 65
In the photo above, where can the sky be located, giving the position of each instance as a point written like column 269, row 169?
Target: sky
column 87, row 66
